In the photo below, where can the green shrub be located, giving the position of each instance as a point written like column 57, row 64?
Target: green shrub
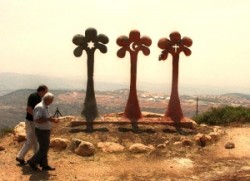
column 224, row 115
column 5, row 131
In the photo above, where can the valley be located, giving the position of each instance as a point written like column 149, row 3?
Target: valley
column 70, row 102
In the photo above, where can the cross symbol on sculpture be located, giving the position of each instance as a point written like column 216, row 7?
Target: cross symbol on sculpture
column 91, row 45
column 175, row 47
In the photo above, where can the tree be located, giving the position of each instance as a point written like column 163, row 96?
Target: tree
column 133, row 44
column 174, row 46
column 90, row 42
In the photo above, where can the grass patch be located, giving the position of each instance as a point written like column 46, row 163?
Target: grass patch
column 224, row 115
column 5, row 131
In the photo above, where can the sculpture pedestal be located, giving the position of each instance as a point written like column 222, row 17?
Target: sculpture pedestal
column 148, row 118
column 183, row 123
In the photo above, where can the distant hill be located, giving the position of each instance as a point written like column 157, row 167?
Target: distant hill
column 13, row 105
column 246, row 96
column 10, row 82
column 13, row 81
column 70, row 102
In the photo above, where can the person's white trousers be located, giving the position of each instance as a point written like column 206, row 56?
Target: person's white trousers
column 31, row 141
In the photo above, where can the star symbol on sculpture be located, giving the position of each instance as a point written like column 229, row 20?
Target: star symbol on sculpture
column 91, row 45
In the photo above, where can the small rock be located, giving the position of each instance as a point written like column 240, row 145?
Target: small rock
column 200, row 139
column 20, row 132
column 187, row 142
column 208, row 138
column 218, row 129
column 214, row 136
column 161, row 145
column 166, row 142
column 59, row 143
column 74, row 144
column 197, row 136
column 203, row 125
column 140, row 148
column 177, row 143
column 230, row 145
column 2, row 148
column 110, row 147
column 85, row 149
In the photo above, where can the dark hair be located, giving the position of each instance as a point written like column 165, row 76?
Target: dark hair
column 42, row 88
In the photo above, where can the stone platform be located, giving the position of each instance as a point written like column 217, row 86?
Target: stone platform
column 147, row 118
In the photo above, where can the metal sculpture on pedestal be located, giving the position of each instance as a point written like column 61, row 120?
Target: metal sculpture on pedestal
column 90, row 42
column 133, row 44
column 174, row 46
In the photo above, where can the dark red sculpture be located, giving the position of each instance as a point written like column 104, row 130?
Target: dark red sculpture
column 90, row 42
column 174, row 46
column 133, row 44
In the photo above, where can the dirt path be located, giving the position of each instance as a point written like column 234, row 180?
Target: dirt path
column 241, row 137
column 212, row 163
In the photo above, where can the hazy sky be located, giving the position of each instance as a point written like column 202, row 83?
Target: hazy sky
column 36, row 38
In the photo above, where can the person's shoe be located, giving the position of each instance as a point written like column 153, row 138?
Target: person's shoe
column 48, row 168
column 33, row 166
column 21, row 162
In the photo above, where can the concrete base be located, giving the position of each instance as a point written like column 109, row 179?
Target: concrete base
column 148, row 118
column 184, row 123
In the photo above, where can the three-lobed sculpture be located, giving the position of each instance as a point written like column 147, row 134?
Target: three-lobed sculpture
column 174, row 46
column 90, row 42
column 133, row 44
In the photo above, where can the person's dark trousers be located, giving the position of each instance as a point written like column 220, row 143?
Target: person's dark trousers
column 41, row 157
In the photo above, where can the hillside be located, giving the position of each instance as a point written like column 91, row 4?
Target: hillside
column 239, row 95
column 170, row 155
column 70, row 102
column 13, row 105
column 170, row 160
column 14, row 81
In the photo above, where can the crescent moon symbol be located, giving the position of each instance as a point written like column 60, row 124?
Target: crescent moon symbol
column 133, row 46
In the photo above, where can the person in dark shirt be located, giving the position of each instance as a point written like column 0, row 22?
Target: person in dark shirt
column 31, row 140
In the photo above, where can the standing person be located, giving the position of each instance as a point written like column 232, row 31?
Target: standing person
column 31, row 141
column 42, row 121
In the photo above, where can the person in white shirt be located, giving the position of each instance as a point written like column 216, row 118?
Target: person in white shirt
column 42, row 120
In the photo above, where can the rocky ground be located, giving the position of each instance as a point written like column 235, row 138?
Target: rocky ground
column 155, row 152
